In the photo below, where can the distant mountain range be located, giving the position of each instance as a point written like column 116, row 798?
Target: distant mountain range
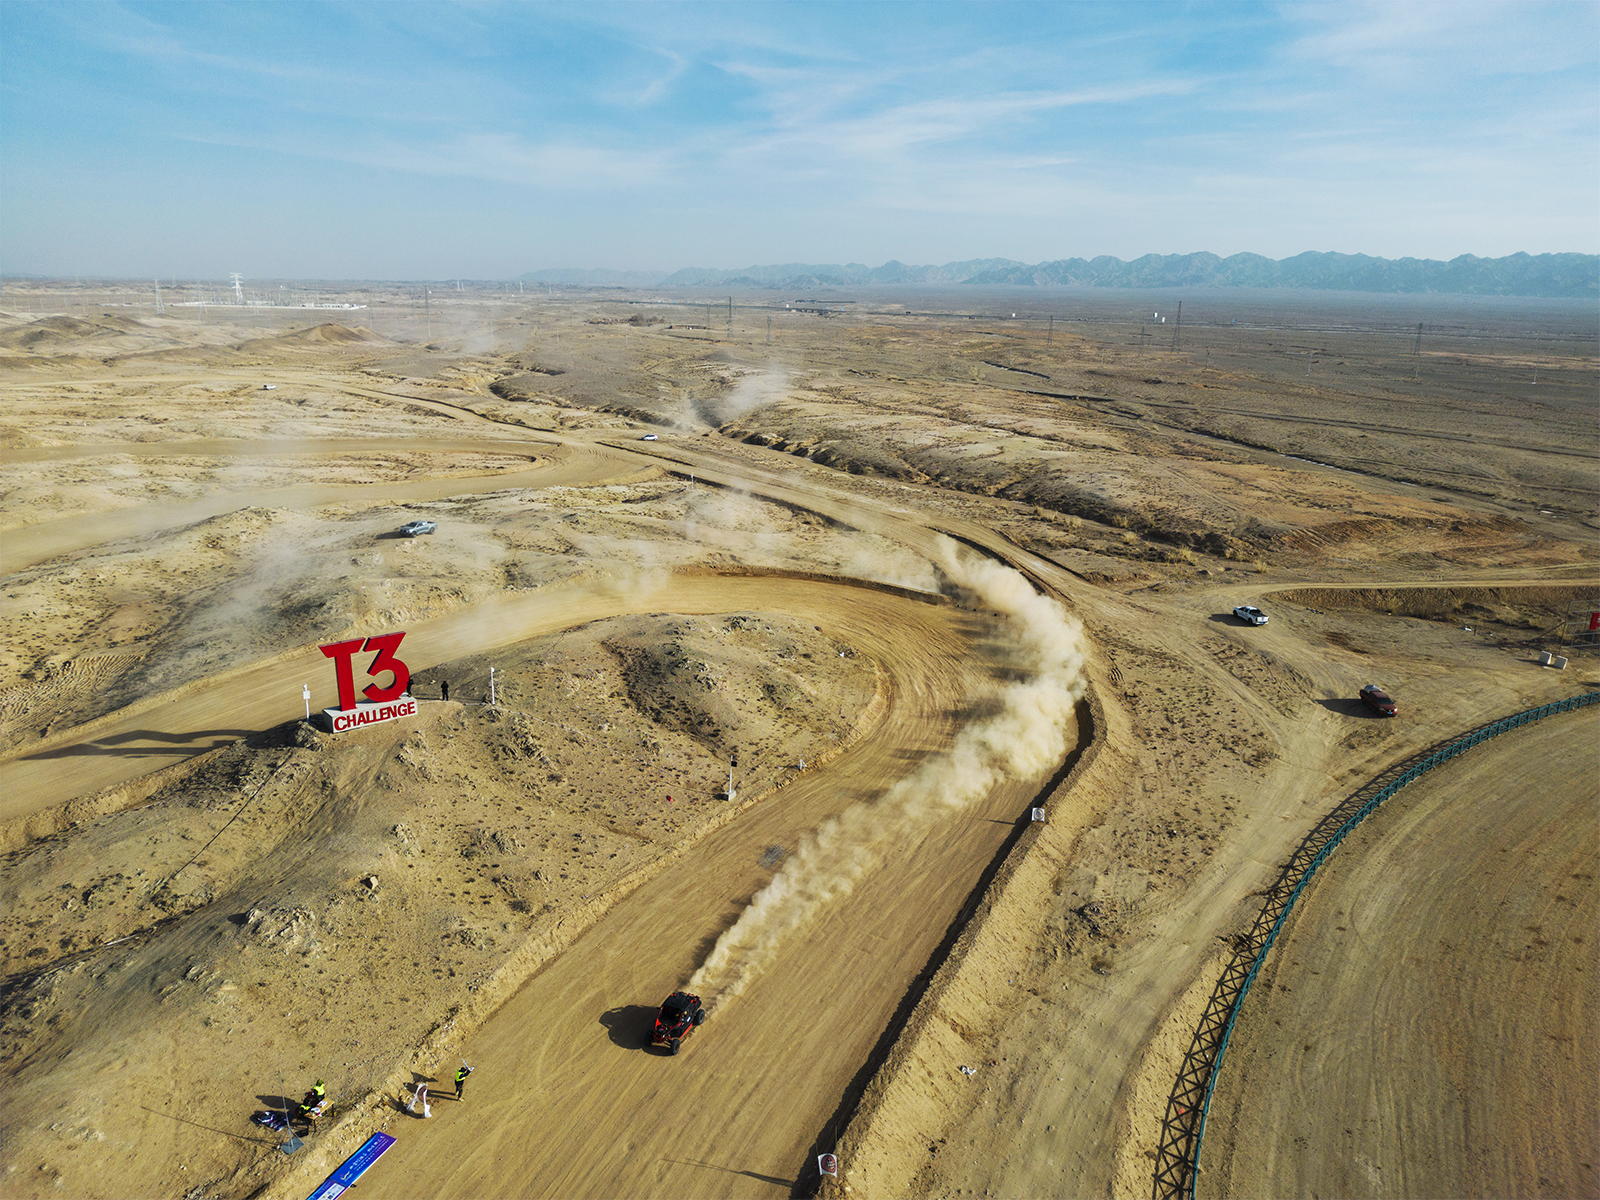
column 1555, row 275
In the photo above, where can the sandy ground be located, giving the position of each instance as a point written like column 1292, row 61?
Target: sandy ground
column 207, row 905
column 1439, row 979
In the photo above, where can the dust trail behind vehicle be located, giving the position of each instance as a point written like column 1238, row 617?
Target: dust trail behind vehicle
column 1023, row 738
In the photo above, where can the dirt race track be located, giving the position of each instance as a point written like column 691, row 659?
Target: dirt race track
column 834, row 552
column 1429, row 1018
column 780, row 1069
column 736, row 1111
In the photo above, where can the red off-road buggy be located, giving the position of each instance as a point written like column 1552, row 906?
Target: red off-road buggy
column 680, row 1013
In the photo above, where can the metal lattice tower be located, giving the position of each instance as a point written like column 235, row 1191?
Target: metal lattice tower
column 1580, row 625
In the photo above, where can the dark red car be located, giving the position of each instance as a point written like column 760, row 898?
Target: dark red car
column 1375, row 698
column 680, row 1013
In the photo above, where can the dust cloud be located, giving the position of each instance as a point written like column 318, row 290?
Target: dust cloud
column 1025, row 737
column 755, row 390
column 868, row 556
column 729, row 524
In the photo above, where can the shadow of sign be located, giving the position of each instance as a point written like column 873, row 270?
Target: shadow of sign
column 209, row 1128
column 773, row 1179
column 120, row 744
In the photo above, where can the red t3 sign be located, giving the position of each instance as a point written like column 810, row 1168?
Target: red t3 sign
column 385, row 644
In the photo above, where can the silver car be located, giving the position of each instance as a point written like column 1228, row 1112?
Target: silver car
column 417, row 528
column 1250, row 614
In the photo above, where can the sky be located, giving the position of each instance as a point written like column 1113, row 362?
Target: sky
column 430, row 141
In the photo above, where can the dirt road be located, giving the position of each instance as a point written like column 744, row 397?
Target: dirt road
column 564, row 1059
column 173, row 726
column 569, row 1102
column 1415, row 1032
column 561, row 466
column 166, row 729
column 762, row 1081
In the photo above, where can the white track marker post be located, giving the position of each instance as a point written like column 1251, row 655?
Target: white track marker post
column 305, row 694
column 491, row 687
column 733, row 762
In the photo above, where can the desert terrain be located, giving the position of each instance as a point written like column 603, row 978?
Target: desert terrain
column 794, row 609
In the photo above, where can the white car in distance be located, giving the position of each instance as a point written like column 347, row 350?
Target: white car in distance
column 1250, row 614
column 651, row 437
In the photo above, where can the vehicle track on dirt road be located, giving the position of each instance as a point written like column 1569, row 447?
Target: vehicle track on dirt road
column 764, row 1075
column 170, row 727
column 768, row 1072
column 34, row 544
column 568, row 1101
column 167, row 728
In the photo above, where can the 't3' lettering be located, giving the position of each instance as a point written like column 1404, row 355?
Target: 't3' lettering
column 385, row 644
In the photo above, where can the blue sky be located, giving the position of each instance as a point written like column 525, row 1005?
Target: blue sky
column 404, row 141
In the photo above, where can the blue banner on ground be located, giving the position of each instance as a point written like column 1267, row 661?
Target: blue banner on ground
column 353, row 1167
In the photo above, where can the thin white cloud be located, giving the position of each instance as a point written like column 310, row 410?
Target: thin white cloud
column 500, row 158
column 136, row 36
column 1429, row 36
column 660, row 87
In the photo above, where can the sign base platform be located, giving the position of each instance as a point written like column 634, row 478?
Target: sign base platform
column 342, row 720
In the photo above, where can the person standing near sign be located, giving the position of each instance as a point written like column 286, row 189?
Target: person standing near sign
column 461, row 1079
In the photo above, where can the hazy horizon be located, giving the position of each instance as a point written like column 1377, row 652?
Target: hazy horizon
column 433, row 141
column 314, row 287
